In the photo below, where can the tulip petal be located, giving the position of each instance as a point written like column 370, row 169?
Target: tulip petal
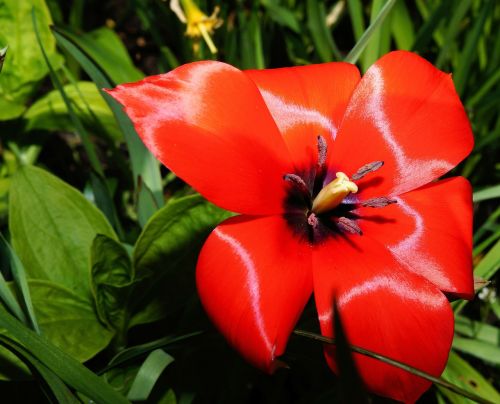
column 307, row 101
column 406, row 113
column 208, row 123
column 254, row 278
column 429, row 231
column 384, row 309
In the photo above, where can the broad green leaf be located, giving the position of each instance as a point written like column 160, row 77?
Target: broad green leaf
column 166, row 251
column 50, row 112
column 24, row 66
column 68, row 321
column 112, row 281
column 105, row 47
column 460, row 373
column 52, row 228
column 63, row 365
column 148, row 374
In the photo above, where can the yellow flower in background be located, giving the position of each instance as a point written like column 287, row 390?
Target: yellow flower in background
column 198, row 23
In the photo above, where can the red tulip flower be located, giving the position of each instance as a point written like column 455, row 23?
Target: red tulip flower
column 335, row 179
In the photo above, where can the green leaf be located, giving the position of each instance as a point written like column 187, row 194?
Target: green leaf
column 486, row 268
column 490, row 263
column 487, row 193
column 68, row 321
column 490, row 353
column 281, row 15
column 356, row 14
column 321, row 36
column 402, row 28
column 360, row 46
column 105, row 47
column 63, row 365
column 52, row 228
column 148, row 374
column 20, row 279
column 166, row 252
column 460, row 373
column 112, row 281
column 470, row 51
column 478, row 330
column 24, row 67
column 55, row 385
column 50, row 112
column 131, row 353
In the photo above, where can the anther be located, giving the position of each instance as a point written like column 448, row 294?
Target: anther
column 298, row 181
column 366, row 169
column 334, row 193
column 348, row 225
column 322, row 151
column 379, row 202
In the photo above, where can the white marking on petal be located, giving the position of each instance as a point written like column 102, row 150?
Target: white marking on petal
column 398, row 287
column 408, row 251
column 418, row 170
column 252, row 283
column 288, row 115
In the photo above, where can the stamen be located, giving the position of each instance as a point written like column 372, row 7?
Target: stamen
column 379, row 202
column 366, row 169
column 298, row 181
column 322, row 151
column 349, row 226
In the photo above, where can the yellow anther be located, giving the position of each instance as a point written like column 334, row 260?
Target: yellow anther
column 334, row 193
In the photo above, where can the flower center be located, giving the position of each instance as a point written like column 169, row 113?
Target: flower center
column 334, row 193
column 315, row 211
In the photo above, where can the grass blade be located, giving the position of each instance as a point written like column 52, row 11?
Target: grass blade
column 59, row 390
column 136, row 351
column 323, row 41
column 469, row 53
column 357, row 21
column 356, row 51
column 21, row 281
column 148, row 375
column 63, row 365
column 487, row 193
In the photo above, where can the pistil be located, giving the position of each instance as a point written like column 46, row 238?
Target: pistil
column 333, row 194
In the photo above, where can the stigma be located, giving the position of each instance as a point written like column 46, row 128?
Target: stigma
column 333, row 194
